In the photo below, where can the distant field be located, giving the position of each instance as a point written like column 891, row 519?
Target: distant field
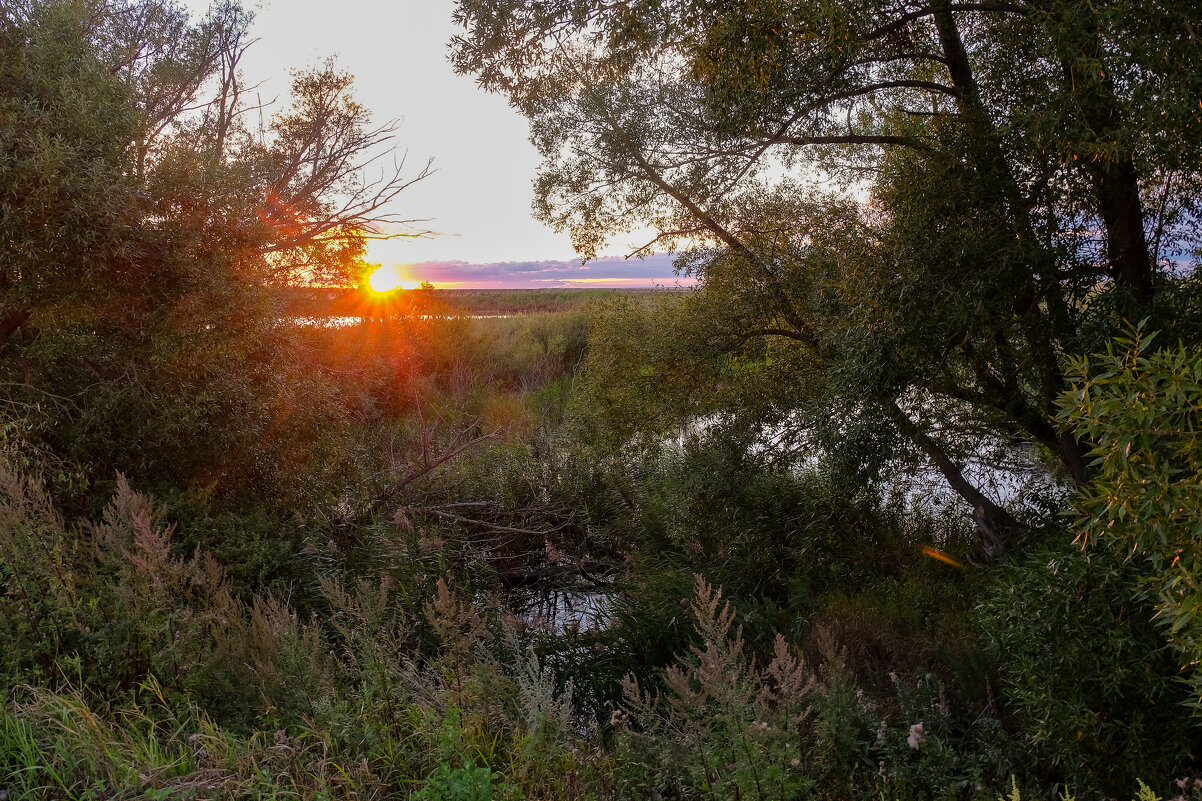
column 525, row 301
column 313, row 302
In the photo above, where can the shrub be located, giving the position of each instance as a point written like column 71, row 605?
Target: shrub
column 1142, row 410
column 108, row 604
column 724, row 728
column 1085, row 674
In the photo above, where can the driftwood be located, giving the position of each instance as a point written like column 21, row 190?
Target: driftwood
column 515, row 569
column 486, row 514
column 427, row 465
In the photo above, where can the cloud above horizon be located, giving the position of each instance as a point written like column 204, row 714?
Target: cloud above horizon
column 651, row 271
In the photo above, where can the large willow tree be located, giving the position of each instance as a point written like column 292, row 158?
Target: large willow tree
column 928, row 203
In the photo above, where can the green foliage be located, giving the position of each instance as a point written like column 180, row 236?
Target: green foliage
column 65, row 123
column 902, row 216
column 364, row 702
column 724, row 728
column 1142, row 409
column 1190, row 789
column 466, row 783
column 357, row 512
column 109, row 604
column 144, row 221
column 722, row 732
column 1085, row 673
column 794, row 549
column 57, row 746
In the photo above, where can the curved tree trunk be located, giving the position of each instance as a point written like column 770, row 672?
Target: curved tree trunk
column 1042, row 313
column 995, row 527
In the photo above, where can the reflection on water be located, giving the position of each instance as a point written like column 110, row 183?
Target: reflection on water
column 560, row 611
column 1008, row 471
column 347, row 321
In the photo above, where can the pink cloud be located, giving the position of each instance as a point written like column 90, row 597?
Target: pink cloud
column 654, row 270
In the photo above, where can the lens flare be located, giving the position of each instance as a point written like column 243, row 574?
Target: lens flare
column 935, row 553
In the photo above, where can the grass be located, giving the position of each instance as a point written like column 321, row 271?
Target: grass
column 58, row 745
column 324, row 302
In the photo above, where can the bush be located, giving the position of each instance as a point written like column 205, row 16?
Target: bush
column 1085, row 674
column 724, row 728
column 1142, row 410
column 108, row 604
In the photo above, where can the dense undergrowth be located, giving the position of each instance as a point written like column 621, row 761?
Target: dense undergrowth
column 764, row 633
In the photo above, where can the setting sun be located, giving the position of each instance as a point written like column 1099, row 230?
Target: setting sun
column 388, row 278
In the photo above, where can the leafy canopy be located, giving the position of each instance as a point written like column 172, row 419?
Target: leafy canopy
column 933, row 202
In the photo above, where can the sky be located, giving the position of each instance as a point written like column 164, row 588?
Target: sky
column 478, row 199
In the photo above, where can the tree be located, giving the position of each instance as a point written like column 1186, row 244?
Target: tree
column 129, row 112
column 146, row 211
column 933, row 201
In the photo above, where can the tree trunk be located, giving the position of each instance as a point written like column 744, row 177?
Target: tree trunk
column 1115, row 180
column 995, row 526
column 1039, row 328
column 1116, row 184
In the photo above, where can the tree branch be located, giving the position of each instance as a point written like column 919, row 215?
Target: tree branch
column 906, row 19
column 852, row 139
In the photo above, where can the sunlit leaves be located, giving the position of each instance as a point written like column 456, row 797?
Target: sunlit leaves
column 1143, row 410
